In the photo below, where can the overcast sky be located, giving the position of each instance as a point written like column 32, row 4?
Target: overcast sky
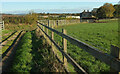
column 51, row 6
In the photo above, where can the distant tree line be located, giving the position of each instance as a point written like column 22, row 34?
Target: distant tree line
column 107, row 11
column 51, row 14
column 30, row 18
column 15, row 20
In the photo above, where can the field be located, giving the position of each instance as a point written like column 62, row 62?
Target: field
column 34, row 54
column 99, row 35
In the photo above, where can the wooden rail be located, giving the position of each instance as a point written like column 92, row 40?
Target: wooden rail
column 65, row 54
column 111, row 60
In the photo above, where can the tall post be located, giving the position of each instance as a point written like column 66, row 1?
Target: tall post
column 54, row 23
column 64, row 42
column 41, row 28
column 47, row 33
column 65, row 22
column 44, row 31
column 52, row 39
column 48, row 26
column 3, row 26
column 37, row 27
column 115, row 52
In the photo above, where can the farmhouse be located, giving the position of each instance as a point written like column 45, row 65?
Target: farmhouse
column 87, row 16
column 77, row 17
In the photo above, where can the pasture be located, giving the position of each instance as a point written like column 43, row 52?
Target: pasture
column 98, row 35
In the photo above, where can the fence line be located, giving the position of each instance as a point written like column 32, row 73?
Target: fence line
column 59, row 22
column 79, row 69
column 111, row 60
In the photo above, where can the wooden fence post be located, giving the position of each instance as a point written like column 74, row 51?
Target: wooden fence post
column 54, row 23
column 48, row 26
column 47, row 32
column 64, row 42
column 115, row 52
column 37, row 27
column 51, row 42
column 44, row 31
column 3, row 25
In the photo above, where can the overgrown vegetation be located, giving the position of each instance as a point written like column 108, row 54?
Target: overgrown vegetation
column 43, row 59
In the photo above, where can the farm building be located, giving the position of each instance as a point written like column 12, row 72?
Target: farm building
column 77, row 17
column 87, row 17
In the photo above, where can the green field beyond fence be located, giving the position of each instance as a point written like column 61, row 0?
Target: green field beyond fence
column 99, row 35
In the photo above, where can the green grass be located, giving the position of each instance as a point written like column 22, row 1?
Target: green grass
column 60, row 56
column 99, row 35
column 23, row 57
column 96, row 34
column 8, row 44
